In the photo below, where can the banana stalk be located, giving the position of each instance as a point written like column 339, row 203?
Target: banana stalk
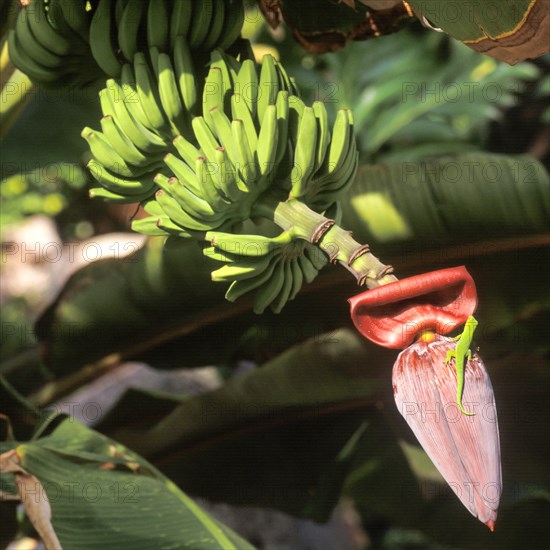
column 337, row 243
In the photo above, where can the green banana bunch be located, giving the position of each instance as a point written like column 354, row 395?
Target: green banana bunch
column 50, row 43
column 325, row 162
column 120, row 27
column 275, row 269
column 77, row 42
column 232, row 156
column 144, row 112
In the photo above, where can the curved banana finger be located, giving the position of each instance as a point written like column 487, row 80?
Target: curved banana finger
column 268, row 292
column 240, row 271
column 279, row 303
column 101, row 31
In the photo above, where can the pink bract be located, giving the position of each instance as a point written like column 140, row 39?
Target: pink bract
column 465, row 449
column 393, row 315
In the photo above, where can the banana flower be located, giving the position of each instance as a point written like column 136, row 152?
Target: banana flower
column 414, row 314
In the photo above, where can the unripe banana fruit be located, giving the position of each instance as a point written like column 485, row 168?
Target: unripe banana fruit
column 76, row 42
column 274, row 269
column 50, row 43
column 216, row 159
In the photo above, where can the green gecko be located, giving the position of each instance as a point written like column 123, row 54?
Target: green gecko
column 460, row 353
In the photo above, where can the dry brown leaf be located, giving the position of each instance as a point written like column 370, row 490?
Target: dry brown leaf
column 34, row 499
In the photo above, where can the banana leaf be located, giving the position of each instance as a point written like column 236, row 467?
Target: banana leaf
column 509, row 31
column 87, row 491
column 286, row 435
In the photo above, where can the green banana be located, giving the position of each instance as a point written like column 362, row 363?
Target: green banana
column 305, row 153
column 120, row 5
column 188, row 152
column 128, row 28
column 339, row 178
column 147, row 93
column 279, row 303
column 227, row 176
column 282, row 125
column 43, row 31
column 222, row 129
column 215, row 254
column 267, row 143
column 269, row 85
column 187, row 201
column 116, row 198
column 246, row 167
column 200, row 23
column 329, row 193
column 31, row 46
column 170, row 96
column 232, row 24
column 316, row 256
column 295, row 113
column 144, row 139
column 75, row 15
column 222, row 61
column 149, row 226
column 233, row 65
column 323, row 140
column 130, row 96
column 26, row 64
column 241, row 270
column 129, row 188
column 158, row 24
column 295, row 90
column 103, row 50
column 205, row 138
column 152, row 207
column 175, row 233
column 166, row 224
column 103, row 152
column 309, row 271
column 252, row 246
column 179, row 216
column 183, row 172
column 240, row 111
column 153, row 60
column 58, row 22
column 121, row 143
column 180, row 20
column 185, row 71
column 208, row 187
column 239, row 288
column 212, row 95
column 106, row 103
column 340, row 142
column 268, row 292
column 247, row 85
column 297, row 279
column 284, row 80
column 216, row 25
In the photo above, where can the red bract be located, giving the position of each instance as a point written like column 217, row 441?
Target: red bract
column 394, row 314
column 465, row 449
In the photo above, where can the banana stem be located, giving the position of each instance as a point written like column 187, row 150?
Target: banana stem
column 337, row 243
